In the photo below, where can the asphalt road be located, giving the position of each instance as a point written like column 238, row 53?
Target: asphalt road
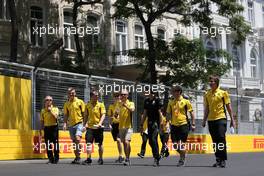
column 246, row 164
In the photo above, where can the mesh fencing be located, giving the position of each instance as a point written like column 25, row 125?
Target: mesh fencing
column 248, row 111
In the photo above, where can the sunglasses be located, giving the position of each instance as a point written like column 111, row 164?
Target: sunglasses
column 48, row 100
column 123, row 94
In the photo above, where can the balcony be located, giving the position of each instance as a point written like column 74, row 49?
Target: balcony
column 251, row 83
column 228, row 82
column 125, row 66
column 121, row 58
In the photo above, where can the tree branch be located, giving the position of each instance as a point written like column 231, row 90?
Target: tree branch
column 139, row 12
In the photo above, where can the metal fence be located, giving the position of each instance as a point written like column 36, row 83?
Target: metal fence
column 248, row 111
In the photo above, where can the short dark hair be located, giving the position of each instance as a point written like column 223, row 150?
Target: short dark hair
column 71, row 89
column 94, row 92
column 215, row 78
column 177, row 88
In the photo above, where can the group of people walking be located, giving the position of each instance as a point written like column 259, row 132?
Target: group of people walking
column 80, row 117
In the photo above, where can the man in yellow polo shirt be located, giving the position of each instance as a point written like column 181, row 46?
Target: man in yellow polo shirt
column 178, row 108
column 93, row 121
column 74, row 110
column 125, row 124
column 113, row 114
column 48, row 117
column 216, row 101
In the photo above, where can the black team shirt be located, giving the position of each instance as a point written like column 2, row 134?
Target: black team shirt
column 152, row 107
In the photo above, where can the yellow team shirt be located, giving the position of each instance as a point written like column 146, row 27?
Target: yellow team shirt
column 215, row 102
column 114, row 108
column 95, row 113
column 74, row 111
column 125, row 117
column 165, row 129
column 48, row 118
column 177, row 110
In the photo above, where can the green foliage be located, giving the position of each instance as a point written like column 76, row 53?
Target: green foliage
column 185, row 58
column 187, row 61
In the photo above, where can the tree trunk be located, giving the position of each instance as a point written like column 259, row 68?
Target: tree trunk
column 151, row 54
column 43, row 56
column 76, row 36
column 14, row 36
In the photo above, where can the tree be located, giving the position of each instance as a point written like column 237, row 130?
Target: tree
column 44, row 55
column 14, row 36
column 77, row 4
column 186, row 63
column 190, row 11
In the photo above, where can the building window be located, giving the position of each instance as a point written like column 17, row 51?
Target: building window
column 251, row 17
column 4, row 10
column 69, row 42
column 253, row 64
column 263, row 14
column 211, row 48
column 92, row 36
column 236, row 61
column 36, row 23
column 161, row 34
column 121, row 37
column 139, row 36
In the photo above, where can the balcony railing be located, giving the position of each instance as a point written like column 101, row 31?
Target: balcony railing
column 251, row 83
column 229, row 82
column 121, row 58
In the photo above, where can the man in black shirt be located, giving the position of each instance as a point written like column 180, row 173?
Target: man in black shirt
column 152, row 110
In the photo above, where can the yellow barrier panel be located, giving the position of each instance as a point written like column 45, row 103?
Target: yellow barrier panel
column 18, row 144
column 15, row 103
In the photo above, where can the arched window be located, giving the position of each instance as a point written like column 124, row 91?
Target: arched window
column 139, row 36
column 253, row 63
column 4, row 10
column 93, row 39
column 211, row 48
column 251, row 16
column 69, row 42
column 161, row 34
column 36, row 22
column 121, row 37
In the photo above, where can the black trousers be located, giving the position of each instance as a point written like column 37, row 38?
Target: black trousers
column 164, row 138
column 51, row 134
column 153, row 132
column 144, row 143
column 217, row 131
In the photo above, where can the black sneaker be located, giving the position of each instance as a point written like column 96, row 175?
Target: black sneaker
column 222, row 164
column 166, row 153
column 55, row 161
column 156, row 163
column 50, row 162
column 127, row 162
column 88, row 161
column 140, row 155
column 120, row 159
column 76, row 161
column 218, row 162
column 181, row 163
column 100, row 161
